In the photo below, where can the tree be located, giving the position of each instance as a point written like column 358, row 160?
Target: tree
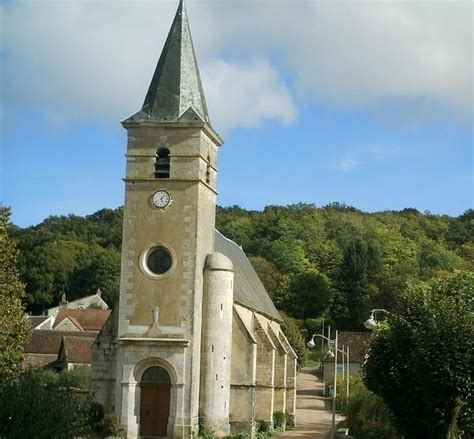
column 422, row 362
column 367, row 416
column 268, row 274
column 38, row 405
column 14, row 327
column 292, row 332
column 96, row 268
column 359, row 267
column 308, row 295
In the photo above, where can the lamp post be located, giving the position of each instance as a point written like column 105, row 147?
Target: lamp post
column 311, row 344
column 371, row 323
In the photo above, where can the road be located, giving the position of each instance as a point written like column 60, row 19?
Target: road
column 313, row 410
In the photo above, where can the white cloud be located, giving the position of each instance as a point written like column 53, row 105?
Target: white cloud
column 347, row 165
column 94, row 59
column 245, row 93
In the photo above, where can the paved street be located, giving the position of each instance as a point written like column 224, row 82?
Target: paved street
column 313, row 411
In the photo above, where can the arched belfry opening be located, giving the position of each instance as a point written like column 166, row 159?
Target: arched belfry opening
column 208, row 170
column 155, row 402
column 162, row 163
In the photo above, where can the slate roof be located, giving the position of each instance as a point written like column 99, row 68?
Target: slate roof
column 248, row 288
column 357, row 342
column 176, row 84
column 36, row 320
column 90, row 319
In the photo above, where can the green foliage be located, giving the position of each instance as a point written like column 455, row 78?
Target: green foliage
column 268, row 274
column 367, row 416
column 14, row 327
column 72, row 255
column 308, row 294
column 292, row 331
column 263, row 427
column 35, row 405
column 422, row 362
column 78, row 377
column 335, row 261
column 359, row 268
column 111, row 426
column 279, row 421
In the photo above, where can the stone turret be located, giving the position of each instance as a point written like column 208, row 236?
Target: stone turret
column 216, row 344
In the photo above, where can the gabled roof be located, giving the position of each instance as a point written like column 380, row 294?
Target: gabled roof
column 36, row 321
column 49, row 341
column 90, row 319
column 248, row 288
column 357, row 342
column 77, row 348
column 62, row 325
column 176, row 88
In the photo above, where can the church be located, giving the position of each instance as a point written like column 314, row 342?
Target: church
column 195, row 344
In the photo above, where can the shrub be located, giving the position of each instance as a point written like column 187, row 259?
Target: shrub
column 263, row 426
column 111, row 426
column 279, row 421
column 367, row 416
column 35, row 405
column 79, row 377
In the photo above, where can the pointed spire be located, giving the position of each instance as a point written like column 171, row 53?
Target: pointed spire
column 176, row 84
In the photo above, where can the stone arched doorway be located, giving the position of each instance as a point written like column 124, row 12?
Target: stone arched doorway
column 155, row 401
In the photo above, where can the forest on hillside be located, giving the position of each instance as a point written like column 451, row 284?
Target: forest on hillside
column 333, row 262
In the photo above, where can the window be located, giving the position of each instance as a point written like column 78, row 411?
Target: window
column 208, row 170
column 162, row 163
column 156, row 375
column 159, row 260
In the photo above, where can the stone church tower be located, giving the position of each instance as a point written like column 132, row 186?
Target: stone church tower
column 163, row 363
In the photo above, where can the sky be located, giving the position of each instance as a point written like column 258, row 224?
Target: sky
column 369, row 103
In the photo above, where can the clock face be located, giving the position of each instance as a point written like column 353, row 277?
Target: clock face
column 161, row 198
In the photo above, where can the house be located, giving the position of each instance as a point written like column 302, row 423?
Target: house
column 89, row 319
column 195, row 342
column 75, row 350
column 358, row 344
column 41, row 322
column 44, row 348
column 94, row 301
column 66, row 342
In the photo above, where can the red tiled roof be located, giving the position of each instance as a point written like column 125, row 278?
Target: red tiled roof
column 37, row 361
column 78, row 349
column 357, row 342
column 90, row 319
column 49, row 341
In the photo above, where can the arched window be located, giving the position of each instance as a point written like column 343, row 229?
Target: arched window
column 156, row 374
column 208, row 170
column 162, row 163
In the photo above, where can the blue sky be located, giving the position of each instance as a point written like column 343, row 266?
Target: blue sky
column 358, row 102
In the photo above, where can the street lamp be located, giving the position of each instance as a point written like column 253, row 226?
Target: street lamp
column 333, row 354
column 371, row 323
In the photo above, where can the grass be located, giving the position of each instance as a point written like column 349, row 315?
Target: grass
column 316, row 355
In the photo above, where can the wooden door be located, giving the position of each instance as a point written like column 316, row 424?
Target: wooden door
column 154, row 408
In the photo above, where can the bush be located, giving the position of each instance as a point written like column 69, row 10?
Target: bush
column 35, row 405
column 79, row 378
column 367, row 416
column 263, row 426
column 111, row 426
column 291, row 329
column 279, row 421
